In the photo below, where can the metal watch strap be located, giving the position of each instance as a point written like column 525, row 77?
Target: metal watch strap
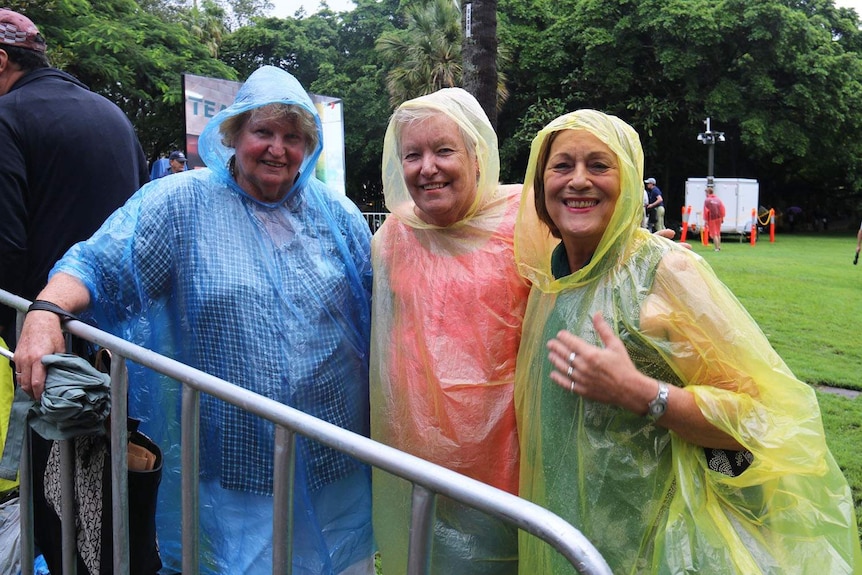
column 657, row 407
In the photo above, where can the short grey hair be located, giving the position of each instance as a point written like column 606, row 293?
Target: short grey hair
column 304, row 120
column 403, row 117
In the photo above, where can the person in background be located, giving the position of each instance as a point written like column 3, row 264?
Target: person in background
column 652, row 411
column 655, row 205
column 858, row 245
column 447, row 313
column 713, row 213
column 645, row 221
column 284, row 312
column 68, row 158
column 178, row 162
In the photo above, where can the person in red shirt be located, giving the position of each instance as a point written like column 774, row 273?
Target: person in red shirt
column 713, row 213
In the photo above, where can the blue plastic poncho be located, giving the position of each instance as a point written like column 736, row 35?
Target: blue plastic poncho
column 448, row 306
column 271, row 297
column 649, row 501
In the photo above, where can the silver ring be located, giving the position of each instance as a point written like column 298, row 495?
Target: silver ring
column 572, row 357
column 569, row 372
column 572, row 388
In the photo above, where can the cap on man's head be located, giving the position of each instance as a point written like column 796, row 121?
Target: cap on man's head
column 18, row 30
column 178, row 156
column 650, row 181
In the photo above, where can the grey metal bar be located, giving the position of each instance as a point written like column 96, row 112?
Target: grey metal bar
column 27, row 547
column 25, row 502
column 67, row 500
column 421, row 531
column 282, row 504
column 190, row 431
column 120, row 463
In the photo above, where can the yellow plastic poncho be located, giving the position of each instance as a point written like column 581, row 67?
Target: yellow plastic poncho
column 647, row 499
column 446, row 319
column 7, row 396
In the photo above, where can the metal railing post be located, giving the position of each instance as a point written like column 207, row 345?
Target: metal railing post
column 284, row 467
column 190, row 455
column 25, row 488
column 67, row 500
column 421, row 531
column 120, row 463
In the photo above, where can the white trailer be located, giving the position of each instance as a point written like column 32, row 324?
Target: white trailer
column 740, row 196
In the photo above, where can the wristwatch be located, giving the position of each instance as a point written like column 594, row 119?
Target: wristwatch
column 658, row 406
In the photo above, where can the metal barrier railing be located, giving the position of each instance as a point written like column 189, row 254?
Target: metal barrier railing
column 375, row 219
column 428, row 479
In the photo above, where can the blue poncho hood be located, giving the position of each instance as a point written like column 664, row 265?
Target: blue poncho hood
column 267, row 85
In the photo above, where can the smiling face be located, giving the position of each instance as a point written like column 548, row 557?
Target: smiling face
column 439, row 170
column 581, row 182
column 269, row 153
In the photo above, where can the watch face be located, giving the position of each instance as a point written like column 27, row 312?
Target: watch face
column 657, row 408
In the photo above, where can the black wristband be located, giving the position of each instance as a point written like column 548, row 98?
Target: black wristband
column 42, row 305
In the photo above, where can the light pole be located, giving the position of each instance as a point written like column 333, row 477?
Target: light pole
column 710, row 138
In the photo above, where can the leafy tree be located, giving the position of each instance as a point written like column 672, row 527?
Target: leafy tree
column 779, row 77
column 245, row 11
column 426, row 54
column 331, row 54
column 133, row 57
column 298, row 46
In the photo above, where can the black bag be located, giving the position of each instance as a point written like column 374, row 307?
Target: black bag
column 93, row 504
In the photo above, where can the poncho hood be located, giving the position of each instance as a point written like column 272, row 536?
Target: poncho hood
column 464, row 110
column 534, row 243
column 267, row 85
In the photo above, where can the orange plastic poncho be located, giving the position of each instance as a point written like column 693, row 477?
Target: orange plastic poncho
column 648, row 500
column 446, row 319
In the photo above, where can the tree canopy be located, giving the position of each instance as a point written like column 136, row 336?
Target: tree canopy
column 781, row 78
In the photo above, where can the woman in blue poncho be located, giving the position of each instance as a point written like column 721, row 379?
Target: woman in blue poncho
column 254, row 271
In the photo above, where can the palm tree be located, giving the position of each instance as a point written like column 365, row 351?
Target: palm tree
column 480, row 55
column 426, row 56
column 206, row 24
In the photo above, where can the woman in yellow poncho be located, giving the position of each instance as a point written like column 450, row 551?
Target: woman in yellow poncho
column 653, row 414
column 447, row 310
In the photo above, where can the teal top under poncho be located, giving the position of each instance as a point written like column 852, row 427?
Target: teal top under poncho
column 272, row 297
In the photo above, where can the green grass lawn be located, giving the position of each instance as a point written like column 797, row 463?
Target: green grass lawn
column 806, row 295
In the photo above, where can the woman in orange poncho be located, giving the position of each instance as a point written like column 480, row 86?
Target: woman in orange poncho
column 447, row 310
column 661, row 424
